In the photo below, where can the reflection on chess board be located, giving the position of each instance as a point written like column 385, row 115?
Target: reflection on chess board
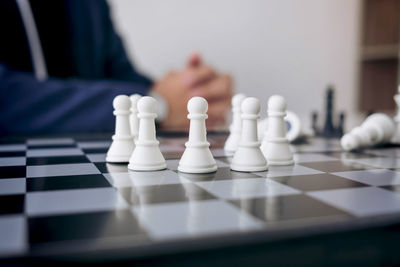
column 59, row 195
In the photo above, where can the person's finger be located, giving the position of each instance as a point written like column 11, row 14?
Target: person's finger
column 217, row 110
column 215, row 122
column 212, row 124
column 194, row 60
column 200, row 74
column 218, row 88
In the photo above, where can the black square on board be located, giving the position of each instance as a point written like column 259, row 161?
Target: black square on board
column 323, row 181
column 13, row 172
column 94, row 225
column 12, row 154
column 164, row 194
column 95, row 150
column 172, row 154
column 394, row 188
column 12, row 204
column 14, row 140
column 349, row 155
column 335, row 166
column 66, row 182
column 93, row 138
column 272, row 209
column 111, row 167
column 33, row 147
column 226, row 159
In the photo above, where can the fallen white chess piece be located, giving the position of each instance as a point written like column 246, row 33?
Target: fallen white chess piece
column 377, row 129
column 396, row 135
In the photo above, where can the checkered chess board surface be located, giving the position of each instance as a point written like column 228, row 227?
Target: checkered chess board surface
column 59, row 194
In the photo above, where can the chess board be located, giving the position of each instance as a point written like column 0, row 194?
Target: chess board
column 58, row 197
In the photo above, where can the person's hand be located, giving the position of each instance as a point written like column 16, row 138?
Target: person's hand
column 197, row 79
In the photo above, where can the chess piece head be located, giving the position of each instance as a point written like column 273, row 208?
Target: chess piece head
column 121, row 102
column 237, row 100
column 251, row 105
column 134, row 100
column 147, row 104
column 349, row 142
column 277, row 103
column 197, row 105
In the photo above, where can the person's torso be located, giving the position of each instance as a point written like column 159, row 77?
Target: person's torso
column 70, row 33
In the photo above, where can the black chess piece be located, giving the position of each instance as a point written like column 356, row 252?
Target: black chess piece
column 314, row 124
column 340, row 127
column 329, row 128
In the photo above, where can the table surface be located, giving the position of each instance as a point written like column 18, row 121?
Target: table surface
column 58, row 198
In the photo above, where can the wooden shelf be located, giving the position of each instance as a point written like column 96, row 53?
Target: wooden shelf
column 379, row 84
column 379, row 55
column 380, row 52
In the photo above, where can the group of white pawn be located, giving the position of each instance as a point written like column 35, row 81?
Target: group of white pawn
column 135, row 140
column 133, row 143
column 249, row 153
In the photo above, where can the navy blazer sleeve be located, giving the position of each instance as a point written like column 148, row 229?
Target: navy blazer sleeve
column 118, row 66
column 29, row 106
column 81, row 104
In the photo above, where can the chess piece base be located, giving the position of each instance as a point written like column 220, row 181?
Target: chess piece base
column 147, row 157
column 280, row 162
column 212, row 168
column 242, row 168
column 277, row 151
column 116, row 159
column 124, row 145
column 155, row 167
column 249, row 158
column 197, row 158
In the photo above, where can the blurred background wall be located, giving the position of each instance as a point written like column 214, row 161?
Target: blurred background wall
column 294, row 48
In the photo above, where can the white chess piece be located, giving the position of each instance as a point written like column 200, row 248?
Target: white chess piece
column 275, row 145
column 248, row 157
column 147, row 155
column 197, row 157
column 294, row 128
column 262, row 127
column 133, row 118
column 235, row 129
column 376, row 129
column 122, row 145
column 396, row 135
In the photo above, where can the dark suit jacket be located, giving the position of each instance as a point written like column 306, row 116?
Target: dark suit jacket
column 86, row 63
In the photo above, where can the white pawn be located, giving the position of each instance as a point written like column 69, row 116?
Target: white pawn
column 248, row 156
column 122, row 144
column 197, row 157
column 133, row 118
column 235, row 129
column 275, row 145
column 396, row 135
column 147, row 155
column 378, row 128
